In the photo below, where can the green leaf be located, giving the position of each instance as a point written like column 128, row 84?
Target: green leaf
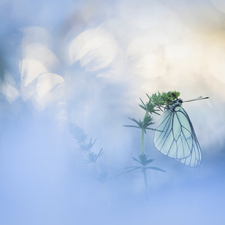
column 142, row 107
column 154, row 168
column 77, row 133
column 136, row 160
column 134, row 168
column 87, row 147
column 154, row 129
column 92, row 157
column 131, row 126
column 142, row 102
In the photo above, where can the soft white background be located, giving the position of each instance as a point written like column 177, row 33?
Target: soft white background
column 88, row 63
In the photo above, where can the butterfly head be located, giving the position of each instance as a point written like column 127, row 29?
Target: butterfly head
column 175, row 103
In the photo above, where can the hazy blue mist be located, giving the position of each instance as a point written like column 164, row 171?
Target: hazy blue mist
column 88, row 63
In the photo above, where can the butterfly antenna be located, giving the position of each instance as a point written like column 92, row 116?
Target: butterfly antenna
column 200, row 98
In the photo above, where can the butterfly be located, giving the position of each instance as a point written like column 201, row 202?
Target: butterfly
column 175, row 135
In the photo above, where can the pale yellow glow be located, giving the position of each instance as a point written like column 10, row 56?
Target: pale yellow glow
column 172, row 28
column 216, row 61
column 150, row 66
column 184, row 63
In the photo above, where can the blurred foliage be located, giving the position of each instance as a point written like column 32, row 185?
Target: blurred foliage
column 159, row 100
column 142, row 124
column 144, row 161
column 79, row 134
column 156, row 102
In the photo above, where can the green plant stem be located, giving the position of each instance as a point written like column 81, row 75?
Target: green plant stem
column 106, row 194
column 143, row 152
column 142, row 141
column 98, row 168
column 146, row 181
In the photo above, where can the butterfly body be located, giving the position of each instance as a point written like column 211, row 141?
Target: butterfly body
column 175, row 135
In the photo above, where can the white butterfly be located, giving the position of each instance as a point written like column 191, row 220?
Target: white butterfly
column 175, row 135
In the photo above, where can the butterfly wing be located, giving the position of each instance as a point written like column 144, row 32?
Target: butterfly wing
column 175, row 137
column 195, row 158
